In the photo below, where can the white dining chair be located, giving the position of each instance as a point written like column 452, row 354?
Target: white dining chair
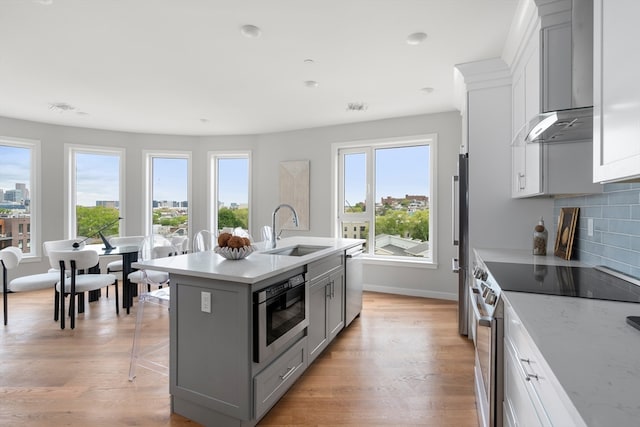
column 10, row 258
column 153, row 246
column 181, row 243
column 204, row 240
column 76, row 284
column 115, row 266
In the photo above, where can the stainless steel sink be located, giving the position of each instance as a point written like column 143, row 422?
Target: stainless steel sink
column 297, row 250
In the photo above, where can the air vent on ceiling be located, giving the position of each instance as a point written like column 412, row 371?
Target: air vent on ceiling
column 357, row 106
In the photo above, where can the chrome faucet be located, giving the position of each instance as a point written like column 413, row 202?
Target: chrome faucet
column 273, row 221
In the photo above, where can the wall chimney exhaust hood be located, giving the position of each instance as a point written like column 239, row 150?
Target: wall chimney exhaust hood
column 570, row 125
column 574, row 122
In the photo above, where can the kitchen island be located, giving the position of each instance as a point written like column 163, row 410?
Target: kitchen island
column 590, row 349
column 217, row 377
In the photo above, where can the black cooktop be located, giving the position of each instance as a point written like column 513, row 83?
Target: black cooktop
column 581, row 282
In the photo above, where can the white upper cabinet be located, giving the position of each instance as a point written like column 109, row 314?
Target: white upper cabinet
column 525, row 96
column 543, row 78
column 616, row 106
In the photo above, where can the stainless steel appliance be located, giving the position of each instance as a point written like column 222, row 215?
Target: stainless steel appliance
column 281, row 311
column 353, row 267
column 487, row 314
column 460, row 236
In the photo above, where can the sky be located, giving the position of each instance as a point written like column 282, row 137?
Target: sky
column 15, row 167
column 399, row 171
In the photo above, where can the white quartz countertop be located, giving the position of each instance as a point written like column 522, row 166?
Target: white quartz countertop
column 522, row 256
column 592, row 351
column 254, row 268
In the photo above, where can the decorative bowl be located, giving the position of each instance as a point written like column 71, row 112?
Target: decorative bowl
column 234, row 253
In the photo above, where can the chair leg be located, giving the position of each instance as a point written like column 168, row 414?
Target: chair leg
column 4, row 293
column 116, row 291
column 136, row 339
column 56, row 308
column 63, row 315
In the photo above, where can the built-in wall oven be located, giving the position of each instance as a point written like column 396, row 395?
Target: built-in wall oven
column 487, row 314
column 280, row 312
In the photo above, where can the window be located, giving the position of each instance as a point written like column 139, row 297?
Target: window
column 95, row 191
column 385, row 196
column 168, row 193
column 230, row 190
column 19, row 197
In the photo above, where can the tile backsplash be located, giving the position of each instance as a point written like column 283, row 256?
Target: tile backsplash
column 615, row 213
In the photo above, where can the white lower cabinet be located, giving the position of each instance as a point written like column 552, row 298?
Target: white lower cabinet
column 532, row 394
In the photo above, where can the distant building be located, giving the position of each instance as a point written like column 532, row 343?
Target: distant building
column 399, row 246
column 14, row 195
column 354, row 230
column 108, row 203
column 15, row 231
column 414, row 201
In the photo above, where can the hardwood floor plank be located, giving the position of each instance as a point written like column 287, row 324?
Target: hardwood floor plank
column 401, row 363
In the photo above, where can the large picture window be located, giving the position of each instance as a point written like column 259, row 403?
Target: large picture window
column 230, row 190
column 385, row 196
column 19, row 165
column 95, row 184
column 168, row 193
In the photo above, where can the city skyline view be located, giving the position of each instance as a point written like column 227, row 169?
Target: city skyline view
column 97, row 176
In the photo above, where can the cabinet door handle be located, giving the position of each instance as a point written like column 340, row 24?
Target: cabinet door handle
column 521, row 181
column 287, row 374
column 530, row 376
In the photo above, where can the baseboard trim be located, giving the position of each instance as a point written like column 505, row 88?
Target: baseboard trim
column 411, row 292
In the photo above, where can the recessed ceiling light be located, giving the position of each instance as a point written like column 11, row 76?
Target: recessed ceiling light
column 204, row 120
column 309, row 61
column 357, row 106
column 250, row 31
column 426, row 90
column 311, row 83
column 416, row 38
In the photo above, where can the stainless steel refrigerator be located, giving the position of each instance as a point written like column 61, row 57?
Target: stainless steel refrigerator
column 460, row 232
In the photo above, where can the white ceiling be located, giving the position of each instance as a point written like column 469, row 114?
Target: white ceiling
column 183, row 67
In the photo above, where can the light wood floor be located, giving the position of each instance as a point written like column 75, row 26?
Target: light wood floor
column 401, row 363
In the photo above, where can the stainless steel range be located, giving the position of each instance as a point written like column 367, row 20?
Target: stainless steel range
column 487, row 331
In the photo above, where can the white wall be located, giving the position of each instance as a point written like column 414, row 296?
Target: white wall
column 267, row 152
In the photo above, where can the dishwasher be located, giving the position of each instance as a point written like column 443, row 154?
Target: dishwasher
column 353, row 271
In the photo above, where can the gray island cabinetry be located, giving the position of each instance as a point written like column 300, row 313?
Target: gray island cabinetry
column 217, row 376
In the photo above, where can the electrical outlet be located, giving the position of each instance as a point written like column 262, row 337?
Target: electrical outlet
column 205, row 302
column 590, row 227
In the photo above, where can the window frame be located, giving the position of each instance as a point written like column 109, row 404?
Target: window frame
column 212, row 184
column 147, row 190
column 71, row 181
column 35, row 198
column 368, row 147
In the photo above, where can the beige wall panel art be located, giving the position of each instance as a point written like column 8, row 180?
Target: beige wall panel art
column 294, row 190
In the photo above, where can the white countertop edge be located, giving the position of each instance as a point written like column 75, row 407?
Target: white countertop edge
column 256, row 267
